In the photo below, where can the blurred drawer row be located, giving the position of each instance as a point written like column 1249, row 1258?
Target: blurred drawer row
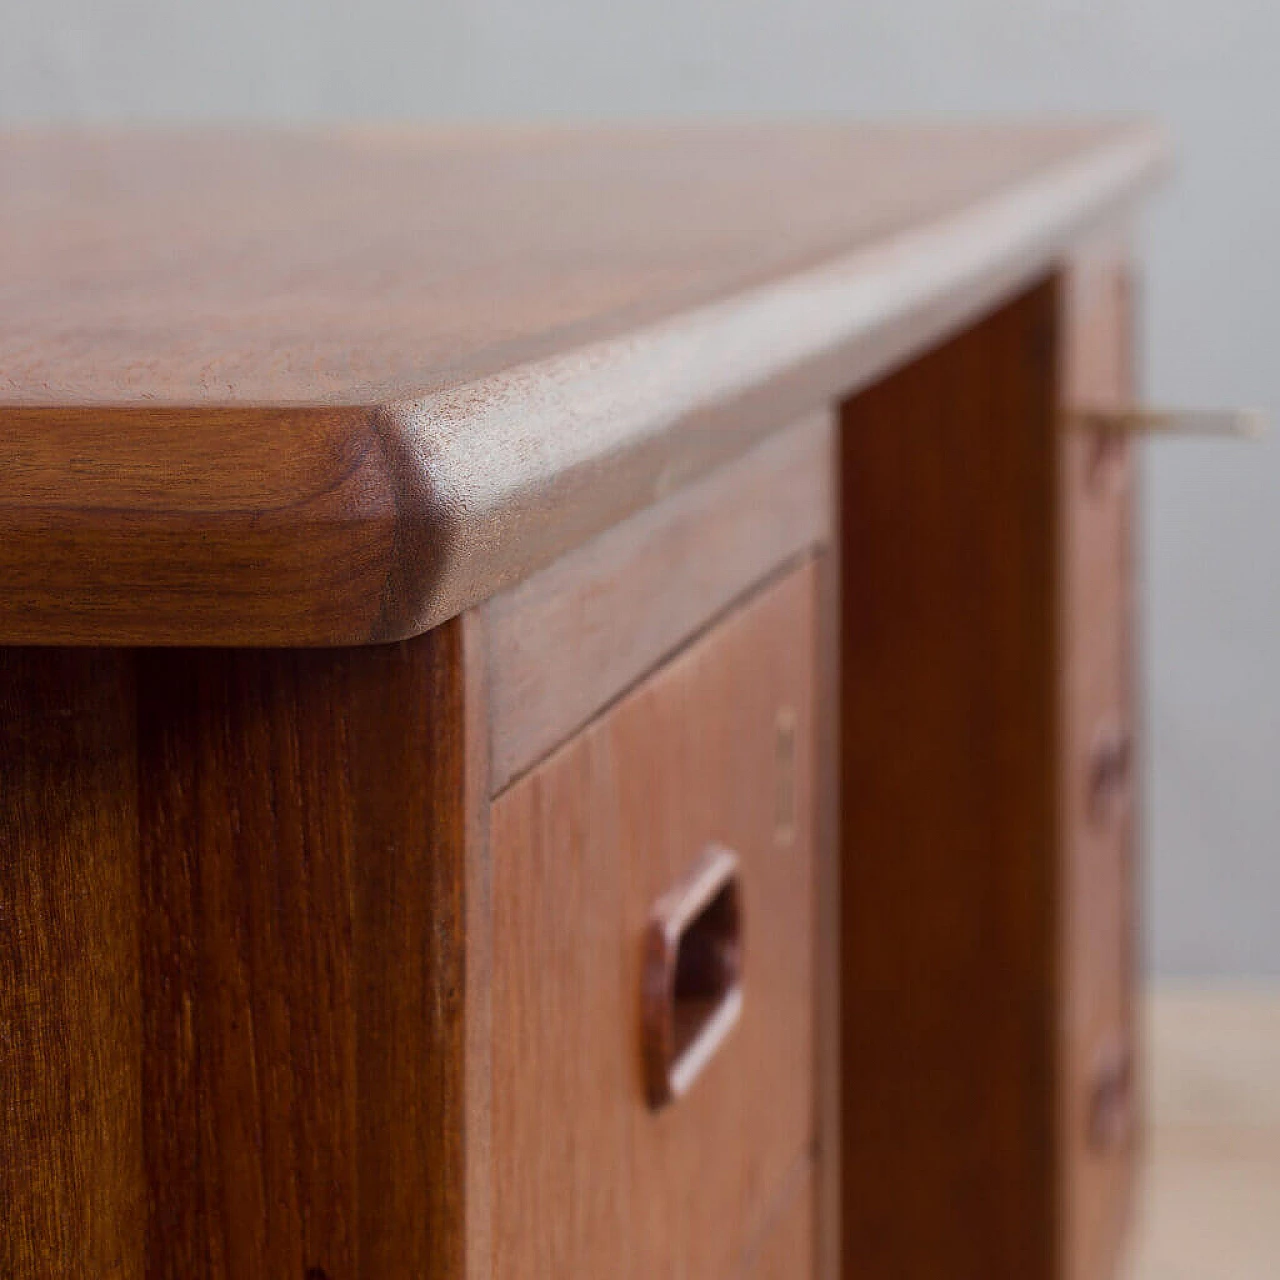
column 1099, row 759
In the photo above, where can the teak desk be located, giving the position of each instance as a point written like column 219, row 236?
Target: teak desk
column 566, row 703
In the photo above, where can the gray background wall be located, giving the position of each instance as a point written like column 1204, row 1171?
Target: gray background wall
column 1212, row 525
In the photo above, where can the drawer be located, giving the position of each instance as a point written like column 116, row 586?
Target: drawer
column 712, row 752
column 1098, row 486
column 787, row 1251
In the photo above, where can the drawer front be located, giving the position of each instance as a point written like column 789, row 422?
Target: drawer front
column 1099, row 1106
column 787, row 1251
column 713, row 751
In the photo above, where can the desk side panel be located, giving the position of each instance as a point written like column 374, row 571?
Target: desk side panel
column 234, row 909
column 72, row 1188
column 948, row 793
column 303, row 838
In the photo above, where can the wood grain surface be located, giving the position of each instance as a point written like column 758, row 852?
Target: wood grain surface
column 576, row 635
column 787, row 1251
column 588, row 1181
column 302, row 851
column 73, row 1194
column 828, row 1073
column 240, row 895
column 949, row 791
column 306, row 389
column 1098, row 479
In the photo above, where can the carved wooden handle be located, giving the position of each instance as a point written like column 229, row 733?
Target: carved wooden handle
column 692, row 982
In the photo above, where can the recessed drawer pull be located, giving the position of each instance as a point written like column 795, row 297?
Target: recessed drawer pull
column 1110, row 765
column 692, row 981
column 1247, row 424
column 1111, row 1098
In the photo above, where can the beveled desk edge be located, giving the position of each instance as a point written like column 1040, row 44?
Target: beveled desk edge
column 373, row 523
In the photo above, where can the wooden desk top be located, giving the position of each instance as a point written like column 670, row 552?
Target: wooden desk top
column 304, row 388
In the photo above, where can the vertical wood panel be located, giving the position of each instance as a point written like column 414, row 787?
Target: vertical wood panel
column 303, row 835
column 827, row 920
column 249, row 1061
column 949, row 975
column 477, row 786
column 408, row 773
column 1098, row 688
column 72, row 1196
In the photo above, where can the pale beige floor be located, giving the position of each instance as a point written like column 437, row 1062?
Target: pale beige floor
column 1210, row 1201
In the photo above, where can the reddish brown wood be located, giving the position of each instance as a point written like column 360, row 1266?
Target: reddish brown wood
column 788, row 1250
column 477, row 1121
column 828, row 1076
column 303, row 838
column 691, row 984
column 256, row 955
column 236, row 911
column 949, row 759
column 363, row 267
column 299, row 389
column 588, row 1180
column 573, row 637
column 72, row 1190
column 988, row 908
column 1098, row 484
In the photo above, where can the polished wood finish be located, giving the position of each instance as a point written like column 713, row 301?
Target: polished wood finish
column 572, row 638
column 828, row 1074
column 691, row 985
column 302, row 846
column 340, row 1032
column 73, row 1195
column 477, row 993
column 788, row 1249
column 212, row 247
column 235, row 995
column 1098, row 761
column 305, row 389
column 495, row 478
column 948, row 753
column 588, row 1180
column 988, row 752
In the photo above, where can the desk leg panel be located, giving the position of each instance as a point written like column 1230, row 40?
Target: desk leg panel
column 302, row 843
column 948, row 789
column 72, row 1191
column 234, row 913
